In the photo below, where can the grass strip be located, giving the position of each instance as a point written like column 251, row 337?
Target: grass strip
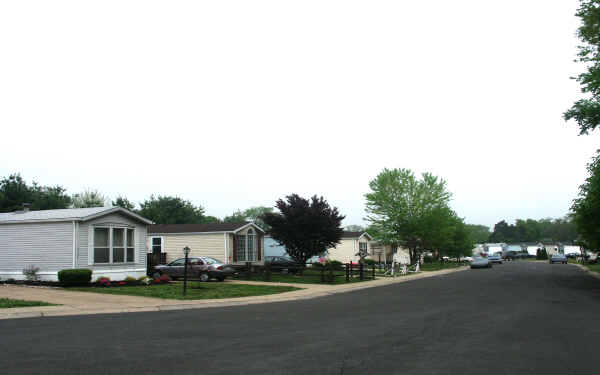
column 7, row 303
column 195, row 290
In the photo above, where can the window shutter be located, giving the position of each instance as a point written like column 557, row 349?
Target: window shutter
column 90, row 245
column 234, row 248
column 258, row 247
column 136, row 247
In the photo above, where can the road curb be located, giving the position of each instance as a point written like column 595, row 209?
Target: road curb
column 299, row 295
column 591, row 273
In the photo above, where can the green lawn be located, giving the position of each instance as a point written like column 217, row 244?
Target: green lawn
column 6, row 303
column 593, row 267
column 195, row 290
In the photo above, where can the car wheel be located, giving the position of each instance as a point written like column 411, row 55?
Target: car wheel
column 204, row 277
column 220, row 279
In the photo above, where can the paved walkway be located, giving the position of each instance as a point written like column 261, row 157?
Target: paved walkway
column 80, row 303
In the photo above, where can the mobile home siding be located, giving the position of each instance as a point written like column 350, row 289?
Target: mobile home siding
column 115, row 219
column 208, row 245
column 345, row 251
column 48, row 246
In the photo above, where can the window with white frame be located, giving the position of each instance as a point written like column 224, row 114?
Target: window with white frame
column 156, row 244
column 362, row 248
column 114, row 245
column 246, row 247
column 241, row 248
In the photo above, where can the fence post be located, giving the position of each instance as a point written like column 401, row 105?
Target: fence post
column 248, row 270
column 373, row 272
column 267, row 272
column 322, row 273
column 361, row 269
column 347, row 272
column 331, row 278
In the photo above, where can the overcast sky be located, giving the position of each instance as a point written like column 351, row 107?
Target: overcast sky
column 232, row 104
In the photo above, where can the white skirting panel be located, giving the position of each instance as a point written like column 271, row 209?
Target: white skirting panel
column 114, row 275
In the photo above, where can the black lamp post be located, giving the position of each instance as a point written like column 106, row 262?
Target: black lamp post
column 186, row 251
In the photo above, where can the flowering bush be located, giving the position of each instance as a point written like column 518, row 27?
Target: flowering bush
column 122, row 283
column 104, row 281
column 163, row 279
column 130, row 280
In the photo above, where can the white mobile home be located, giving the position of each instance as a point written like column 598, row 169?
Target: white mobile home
column 111, row 241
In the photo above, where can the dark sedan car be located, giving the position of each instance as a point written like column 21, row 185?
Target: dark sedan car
column 203, row 268
column 279, row 263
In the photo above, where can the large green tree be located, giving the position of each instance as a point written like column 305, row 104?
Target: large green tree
column 305, row 227
column 14, row 191
column 407, row 211
column 479, row 233
column 123, row 202
column 459, row 241
column 586, row 207
column 254, row 214
column 354, row 228
column 543, row 230
column 90, row 198
column 171, row 210
column 586, row 111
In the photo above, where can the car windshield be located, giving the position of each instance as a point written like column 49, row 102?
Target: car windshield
column 211, row 260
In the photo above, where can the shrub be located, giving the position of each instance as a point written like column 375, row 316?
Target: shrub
column 428, row 259
column 130, row 280
column 144, row 280
column 335, row 264
column 369, row 262
column 30, row 272
column 103, row 280
column 75, row 276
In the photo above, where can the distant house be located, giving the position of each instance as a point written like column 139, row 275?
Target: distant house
column 478, row 249
column 553, row 248
column 350, row 244
column 111, row 241
column 234, row 243
column 494, row 248
column 571, row 249
column 386, row 253
column 348, row 248
column 532, row 247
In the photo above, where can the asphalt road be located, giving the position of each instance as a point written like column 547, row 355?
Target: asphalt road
column 517, row 318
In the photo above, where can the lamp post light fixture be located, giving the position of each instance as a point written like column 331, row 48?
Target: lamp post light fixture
column 186, row 251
